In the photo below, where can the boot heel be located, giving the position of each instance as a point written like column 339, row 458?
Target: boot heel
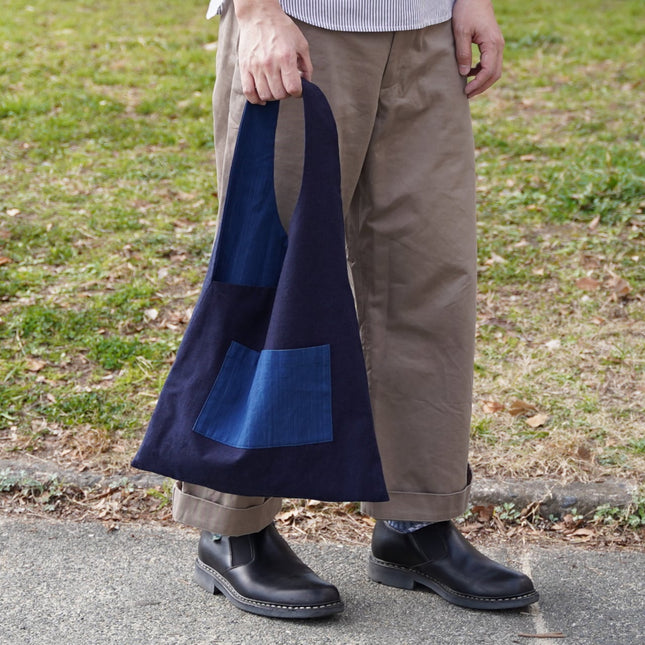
column 389, row 576
column 204, row 579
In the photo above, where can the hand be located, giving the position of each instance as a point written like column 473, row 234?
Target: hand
column 273, row 53
column 473, row 21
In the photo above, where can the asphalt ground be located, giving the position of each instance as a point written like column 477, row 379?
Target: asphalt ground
column 66, row 583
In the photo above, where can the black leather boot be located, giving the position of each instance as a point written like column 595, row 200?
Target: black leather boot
column 439, row 557
column 260, row 573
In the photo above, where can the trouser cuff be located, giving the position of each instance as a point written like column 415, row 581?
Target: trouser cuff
column 210, row 516
column 420, row 507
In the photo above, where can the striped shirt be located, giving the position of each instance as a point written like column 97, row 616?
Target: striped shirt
column 362, row 15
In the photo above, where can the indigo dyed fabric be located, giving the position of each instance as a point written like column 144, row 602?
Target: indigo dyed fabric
column 268, row 394
column 276, row 397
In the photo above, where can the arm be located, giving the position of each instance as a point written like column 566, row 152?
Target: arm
column 273, row 53
column 473, row 21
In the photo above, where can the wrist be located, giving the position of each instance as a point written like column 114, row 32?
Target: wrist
column 250, row 9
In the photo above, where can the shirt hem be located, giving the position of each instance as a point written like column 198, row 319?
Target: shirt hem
column 367, row 28
column 374, row 28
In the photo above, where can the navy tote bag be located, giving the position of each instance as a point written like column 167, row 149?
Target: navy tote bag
column 268, row 394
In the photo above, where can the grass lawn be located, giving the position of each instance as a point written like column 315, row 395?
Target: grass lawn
column 108, row 201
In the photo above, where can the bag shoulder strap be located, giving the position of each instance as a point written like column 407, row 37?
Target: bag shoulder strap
column 251, row 242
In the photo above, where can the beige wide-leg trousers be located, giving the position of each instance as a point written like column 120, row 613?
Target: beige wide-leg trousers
column 407, row 164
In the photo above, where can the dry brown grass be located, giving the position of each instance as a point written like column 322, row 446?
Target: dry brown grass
column 582, row 374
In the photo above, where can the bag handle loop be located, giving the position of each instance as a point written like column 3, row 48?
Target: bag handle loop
column 251, row 242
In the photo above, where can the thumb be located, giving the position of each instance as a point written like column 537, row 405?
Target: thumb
column 464, row 52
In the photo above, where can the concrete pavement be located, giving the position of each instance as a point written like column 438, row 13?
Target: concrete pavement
column 76, row 584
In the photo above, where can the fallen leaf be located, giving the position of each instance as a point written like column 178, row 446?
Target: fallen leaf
column 483, row 513
column 151, row 314
column 619, row 286
column 594, row 223
column 5, row 260
column 491, row 407
column 555, row 343
column 34, row 364
column 587, row 284
column 584, row 452
column 12, row 212
column 569, row 521
column 519, row 407
column 495, row 259
column 584, row 533
column 287, row 515
column 537, row 420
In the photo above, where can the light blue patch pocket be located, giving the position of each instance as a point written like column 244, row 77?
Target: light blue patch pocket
column 272, row 398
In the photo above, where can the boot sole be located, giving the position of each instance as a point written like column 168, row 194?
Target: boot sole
column 213, row 582
column 395, row 575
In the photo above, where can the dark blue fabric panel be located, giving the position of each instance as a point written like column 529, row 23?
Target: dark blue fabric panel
column 270, row 398
column 251, row 241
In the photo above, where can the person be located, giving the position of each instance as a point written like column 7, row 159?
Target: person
column 395, row 74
